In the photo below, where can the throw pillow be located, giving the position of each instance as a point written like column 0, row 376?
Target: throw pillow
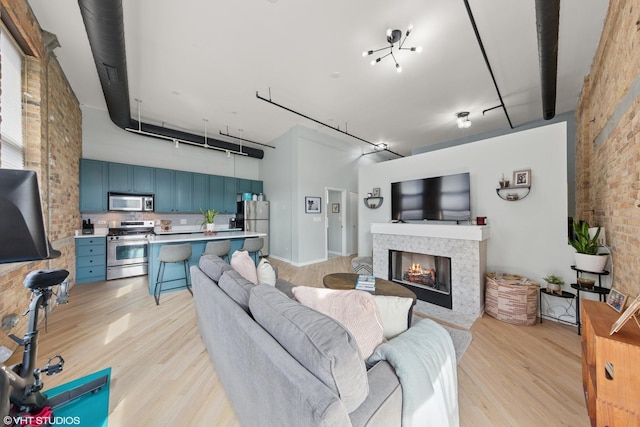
column 319, row 343
column 394, row 312
column 355, row 310
column 266, row 273
column 243, row 264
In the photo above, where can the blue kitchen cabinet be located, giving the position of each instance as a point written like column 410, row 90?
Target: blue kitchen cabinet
column 131, row 178
column 230, row 194
column 91, row 255
column 216, row 193
column 201, row 193
column 173, row 191
column 93, row 186
column 256, row 186
column 243, row 185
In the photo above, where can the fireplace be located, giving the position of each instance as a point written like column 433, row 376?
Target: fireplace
column 428, row 276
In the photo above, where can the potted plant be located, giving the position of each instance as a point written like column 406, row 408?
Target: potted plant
column 586, row 246
column 209, row 216
column 554, row 283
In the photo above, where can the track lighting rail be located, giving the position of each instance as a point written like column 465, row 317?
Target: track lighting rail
column 321, row 123
column 486, row 60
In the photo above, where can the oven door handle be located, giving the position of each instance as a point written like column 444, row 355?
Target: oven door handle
column 128, row 242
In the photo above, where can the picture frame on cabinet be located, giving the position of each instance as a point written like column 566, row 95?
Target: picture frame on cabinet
column 630, row 312
column 616, row 300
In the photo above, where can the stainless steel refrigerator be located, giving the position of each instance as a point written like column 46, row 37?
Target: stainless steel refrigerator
column 254, row 216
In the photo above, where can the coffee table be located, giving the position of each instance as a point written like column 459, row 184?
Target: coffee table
column 347, row 281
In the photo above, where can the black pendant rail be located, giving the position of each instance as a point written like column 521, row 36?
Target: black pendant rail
column 324, row 124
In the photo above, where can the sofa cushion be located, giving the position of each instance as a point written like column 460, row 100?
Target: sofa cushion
column 213, row 266
column 319, row 343
column 237, row 287
column 394, row 312
column 356, row 310
column 244, row 264
column 266, row 273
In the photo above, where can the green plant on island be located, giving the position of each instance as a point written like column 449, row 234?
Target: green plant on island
column 582, row 242
column 209, row 216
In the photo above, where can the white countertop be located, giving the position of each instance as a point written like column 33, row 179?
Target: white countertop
column 194, row 237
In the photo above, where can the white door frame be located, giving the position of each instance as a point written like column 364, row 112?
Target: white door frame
column 343, row 220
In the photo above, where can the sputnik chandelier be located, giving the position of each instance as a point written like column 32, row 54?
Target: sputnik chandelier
column 393, row 37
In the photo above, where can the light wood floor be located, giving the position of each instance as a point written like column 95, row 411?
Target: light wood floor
column 162, row 375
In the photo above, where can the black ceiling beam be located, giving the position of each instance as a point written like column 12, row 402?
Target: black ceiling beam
column 548, row 26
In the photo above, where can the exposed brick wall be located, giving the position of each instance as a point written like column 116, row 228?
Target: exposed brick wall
column 53, row 147
column 608, row 143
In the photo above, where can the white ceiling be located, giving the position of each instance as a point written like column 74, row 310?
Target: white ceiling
column 196, row 59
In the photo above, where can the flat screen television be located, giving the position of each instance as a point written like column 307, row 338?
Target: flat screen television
column 439, row 198
column 22, row 230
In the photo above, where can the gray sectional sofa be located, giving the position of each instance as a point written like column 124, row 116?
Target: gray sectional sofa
column 283, row 364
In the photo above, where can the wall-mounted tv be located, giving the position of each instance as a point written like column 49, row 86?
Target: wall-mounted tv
column 439, row 198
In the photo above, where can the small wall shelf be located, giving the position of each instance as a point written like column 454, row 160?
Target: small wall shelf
column 512, row 194
column 373, row 202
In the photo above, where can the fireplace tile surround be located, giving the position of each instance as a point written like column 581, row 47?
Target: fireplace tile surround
column 466, row 245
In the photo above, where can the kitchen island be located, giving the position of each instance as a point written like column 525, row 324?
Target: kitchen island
column 198, row 243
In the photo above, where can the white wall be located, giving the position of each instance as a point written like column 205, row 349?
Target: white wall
column 304, row 163
column 102, row 140
column 528, row 236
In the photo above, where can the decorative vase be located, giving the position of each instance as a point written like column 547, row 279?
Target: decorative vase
column 592, row 263
column 554, row 287
column 210, row 226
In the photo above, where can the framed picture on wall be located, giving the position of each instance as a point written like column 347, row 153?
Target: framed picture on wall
column 312, row 204
column 335, row 208
column 522, row 178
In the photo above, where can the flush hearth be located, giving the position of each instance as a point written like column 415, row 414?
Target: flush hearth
column 428, row 276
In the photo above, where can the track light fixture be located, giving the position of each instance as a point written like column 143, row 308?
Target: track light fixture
column 463, row 120
column 393, row 37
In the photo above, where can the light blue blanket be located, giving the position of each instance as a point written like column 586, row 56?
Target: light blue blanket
column 425, row 361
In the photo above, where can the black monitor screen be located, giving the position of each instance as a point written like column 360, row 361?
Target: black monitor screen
column 22, row 233
column 441, row 198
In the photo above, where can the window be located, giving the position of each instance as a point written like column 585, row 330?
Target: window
column 11, row 146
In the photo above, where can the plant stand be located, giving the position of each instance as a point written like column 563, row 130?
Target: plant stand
column 599, row 290
column 567, row 309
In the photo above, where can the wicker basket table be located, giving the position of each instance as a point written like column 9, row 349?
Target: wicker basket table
column 511, row 298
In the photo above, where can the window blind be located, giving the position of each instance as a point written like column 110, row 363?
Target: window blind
column 11, row 145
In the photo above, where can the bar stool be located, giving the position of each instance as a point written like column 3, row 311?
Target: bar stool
column 220, row 248
column 170, row 254
column 253, row 245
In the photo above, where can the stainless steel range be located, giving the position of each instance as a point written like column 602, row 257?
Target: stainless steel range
column 128, row 248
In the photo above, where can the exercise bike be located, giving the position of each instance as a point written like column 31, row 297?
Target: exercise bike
column 22, row 401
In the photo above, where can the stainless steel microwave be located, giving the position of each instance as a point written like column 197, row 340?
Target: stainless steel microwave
column 131, row 202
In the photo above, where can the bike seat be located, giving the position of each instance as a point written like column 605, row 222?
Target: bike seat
column 40, row 279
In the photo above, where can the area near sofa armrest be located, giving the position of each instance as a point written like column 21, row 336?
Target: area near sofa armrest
column 266, row 385
column 213, row 266
column 383, row 405
column 318, row 342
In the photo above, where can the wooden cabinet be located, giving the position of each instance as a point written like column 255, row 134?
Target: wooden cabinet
column 91, row 264
column 610, row 374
